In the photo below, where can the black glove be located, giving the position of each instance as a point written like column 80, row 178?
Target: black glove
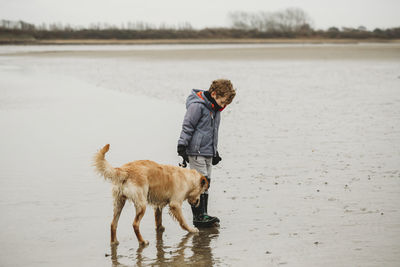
column 182, row 152
column 216, row 159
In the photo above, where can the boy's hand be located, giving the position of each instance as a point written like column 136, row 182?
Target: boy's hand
column 182, row 152
column 216, row 159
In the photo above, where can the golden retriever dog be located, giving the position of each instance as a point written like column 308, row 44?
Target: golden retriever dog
column 146, row 182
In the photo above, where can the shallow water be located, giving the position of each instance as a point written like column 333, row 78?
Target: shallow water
column 310, row 172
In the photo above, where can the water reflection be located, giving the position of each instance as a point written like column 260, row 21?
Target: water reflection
column 202, row 252
column 114, row 257
column 193, row 248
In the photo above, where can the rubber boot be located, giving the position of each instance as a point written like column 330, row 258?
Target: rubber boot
column 197, row 211
column 200, row 217
column 215, row 219
column 198, row 214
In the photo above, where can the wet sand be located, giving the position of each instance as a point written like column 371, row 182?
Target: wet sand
column 228, row 52
column 207, row 41
column 310, row 146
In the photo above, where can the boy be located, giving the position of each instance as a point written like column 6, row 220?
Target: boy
column 198, row 141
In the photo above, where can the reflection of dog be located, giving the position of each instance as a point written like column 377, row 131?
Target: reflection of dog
column 145, row 182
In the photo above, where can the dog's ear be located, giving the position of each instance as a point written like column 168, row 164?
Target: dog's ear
column 204, row 182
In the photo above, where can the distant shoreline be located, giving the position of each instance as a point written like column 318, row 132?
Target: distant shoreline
column 194, row 41
column 278, row 50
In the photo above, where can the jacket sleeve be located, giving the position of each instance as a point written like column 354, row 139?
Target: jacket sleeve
column 192, row 117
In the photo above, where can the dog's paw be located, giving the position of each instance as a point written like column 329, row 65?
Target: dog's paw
column 194, row 230
column 144, row 243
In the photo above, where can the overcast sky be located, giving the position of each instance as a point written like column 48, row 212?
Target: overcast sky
column 200, row 13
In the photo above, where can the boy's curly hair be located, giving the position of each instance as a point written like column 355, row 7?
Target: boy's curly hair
column 222, row 88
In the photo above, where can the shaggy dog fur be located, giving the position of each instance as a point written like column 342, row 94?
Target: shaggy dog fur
column 146, row 182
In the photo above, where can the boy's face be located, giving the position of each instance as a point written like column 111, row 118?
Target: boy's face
column 221, row 101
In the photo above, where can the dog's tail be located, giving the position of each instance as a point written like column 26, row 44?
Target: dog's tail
column 116, row 175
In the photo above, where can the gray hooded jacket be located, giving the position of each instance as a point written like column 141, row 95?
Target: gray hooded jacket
column 200, row 126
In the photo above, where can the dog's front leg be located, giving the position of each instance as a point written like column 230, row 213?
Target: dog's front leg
column 176, row 211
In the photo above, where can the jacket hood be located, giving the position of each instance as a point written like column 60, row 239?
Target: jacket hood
column 197, row 96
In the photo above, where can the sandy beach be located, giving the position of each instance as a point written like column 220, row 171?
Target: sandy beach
column 310, row 173
column 196, row 41
column 229, row 52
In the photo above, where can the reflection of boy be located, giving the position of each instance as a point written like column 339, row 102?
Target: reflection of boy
column 198, row 141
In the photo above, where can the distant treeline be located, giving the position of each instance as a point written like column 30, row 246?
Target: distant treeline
column 290, row 23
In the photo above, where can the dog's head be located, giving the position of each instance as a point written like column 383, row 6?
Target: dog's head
column 201, row 185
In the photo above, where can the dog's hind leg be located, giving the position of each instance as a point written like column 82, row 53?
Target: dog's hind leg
column 140, row 210
column 176, row 211
column 158, row 217
column 119, row 203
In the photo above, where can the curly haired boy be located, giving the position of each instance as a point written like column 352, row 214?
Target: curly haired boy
column 198, row 141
